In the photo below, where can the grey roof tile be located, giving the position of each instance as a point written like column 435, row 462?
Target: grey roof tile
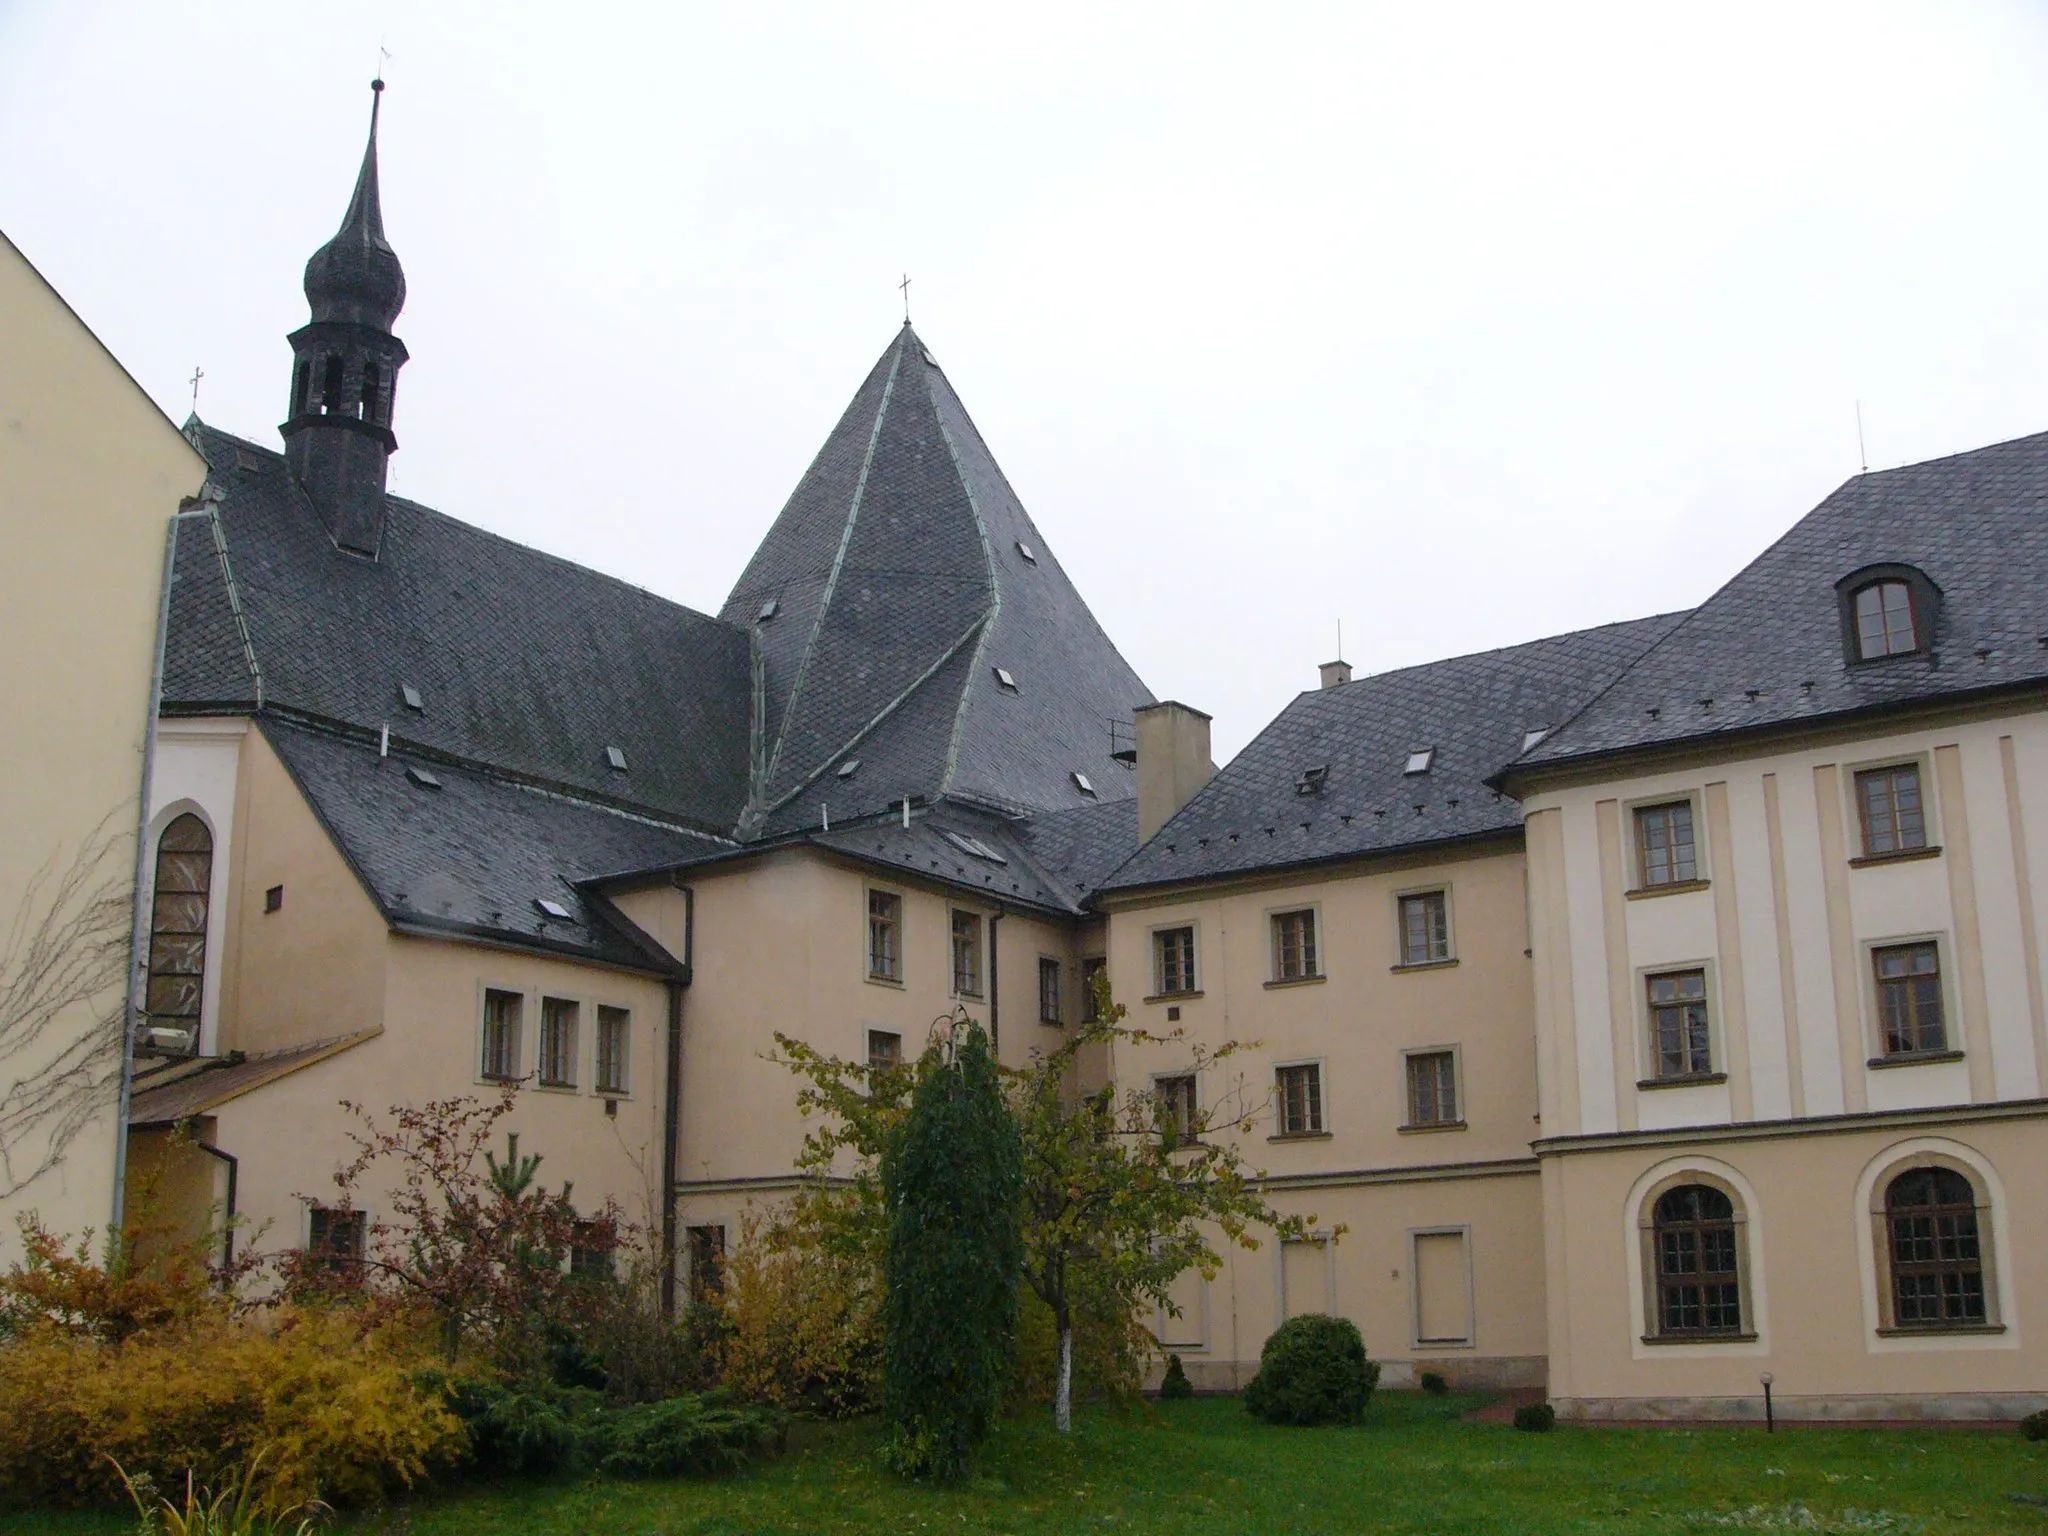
column 1472, row 711
column 1766, row 650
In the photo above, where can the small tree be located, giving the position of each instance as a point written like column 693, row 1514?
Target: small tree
column 951, row 1183
column 475, row 1240
column 1120, row 1198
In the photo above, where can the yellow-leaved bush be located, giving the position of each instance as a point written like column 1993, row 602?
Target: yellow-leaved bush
column 800, row 1320
column 337, row 1413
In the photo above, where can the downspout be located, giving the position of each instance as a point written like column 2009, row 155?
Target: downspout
column 227, row 1246
column 132, row 981
column 995, row 991
column 672, row 1109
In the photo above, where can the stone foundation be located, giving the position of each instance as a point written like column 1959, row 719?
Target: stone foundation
column 1954, row 1407
column 1487, row 1374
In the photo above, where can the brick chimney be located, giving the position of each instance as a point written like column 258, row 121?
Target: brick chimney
column 1173, row 762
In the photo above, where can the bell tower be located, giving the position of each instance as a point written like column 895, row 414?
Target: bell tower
column 337, row 431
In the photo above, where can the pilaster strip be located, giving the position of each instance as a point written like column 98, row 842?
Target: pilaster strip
column 1788, row 979
column 1962, row 900
column 1621, row 1013
column 2030, row 936
column 1734, row 981
column 1851, row 1044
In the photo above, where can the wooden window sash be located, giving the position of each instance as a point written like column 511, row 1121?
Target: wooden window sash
column 885, row 920
column 1909, row 1002
column 1699, row 1274
column 1893, row 814
column 1681, row 1036
column 1666, row 853
column 1432, row 1088
column 614, row 1040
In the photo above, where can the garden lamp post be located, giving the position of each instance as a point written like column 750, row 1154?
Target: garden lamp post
column 1770, row 1418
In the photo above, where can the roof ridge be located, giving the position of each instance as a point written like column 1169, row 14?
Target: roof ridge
column 1679, row 615
column 995, row 587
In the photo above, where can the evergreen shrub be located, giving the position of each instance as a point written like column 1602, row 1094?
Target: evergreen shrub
column 1175, row 1387
column 1538, row 1418
column 686, row 1436
column 2035, row 1425
column 1313, row 1370
column 1434, row 1384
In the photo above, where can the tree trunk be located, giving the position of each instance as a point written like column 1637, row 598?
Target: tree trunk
column 1063, row 1399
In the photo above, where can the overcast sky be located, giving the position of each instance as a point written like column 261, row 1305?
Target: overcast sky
column 1459, row 325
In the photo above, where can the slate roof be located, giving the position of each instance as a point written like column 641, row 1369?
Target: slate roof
column 476, row 854
column 523, row 661
column 899, row 588
column 1081, row 848
column 1473, row 711
column 1766, row 650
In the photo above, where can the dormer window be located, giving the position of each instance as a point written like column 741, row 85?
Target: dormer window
column 1887, row 610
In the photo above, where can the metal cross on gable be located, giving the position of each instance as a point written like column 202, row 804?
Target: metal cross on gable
column 198, row 373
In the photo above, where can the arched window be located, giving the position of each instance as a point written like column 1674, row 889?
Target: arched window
column 302, row 387
column 1930, row 1222
column 330, row 386
column 177, row 926
column 1884, row 620
column 369, row 412
column 1699, row 1284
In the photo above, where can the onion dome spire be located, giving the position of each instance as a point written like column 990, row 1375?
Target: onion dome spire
column 355, row 277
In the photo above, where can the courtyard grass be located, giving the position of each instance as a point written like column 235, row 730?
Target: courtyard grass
column 1205, row 1468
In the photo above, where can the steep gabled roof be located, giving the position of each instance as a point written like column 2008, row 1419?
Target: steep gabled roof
column 903, row 573
column 1470, row 714
column 1767, row 650
column 522, row 661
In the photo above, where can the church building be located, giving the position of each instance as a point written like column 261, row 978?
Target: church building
column 1651, row 1007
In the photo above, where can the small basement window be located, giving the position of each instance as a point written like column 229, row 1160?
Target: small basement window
column 615, row 757
column 552, row 909
column 1419, row 760
column 1030, row 557
column 1084, row 784
column 412, row 698
column 425, row 778
column 1005, row 680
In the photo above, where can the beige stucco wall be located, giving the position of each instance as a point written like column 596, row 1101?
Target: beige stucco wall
column 1784, row 923
column 90, row 474
column 1367, row 1173
column 1812, row 1273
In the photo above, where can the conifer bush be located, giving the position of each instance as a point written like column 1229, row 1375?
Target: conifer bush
column 1313, row 1370
column 2035, row 1425
column 1175, row 1387
column 952, row 1182
column 1538, row 1418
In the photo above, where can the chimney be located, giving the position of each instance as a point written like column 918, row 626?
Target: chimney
column 1335, row 672
column 1173, row 762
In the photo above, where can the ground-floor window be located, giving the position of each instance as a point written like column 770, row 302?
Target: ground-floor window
column 1695, row 1246
column 1935, row 1250
column 707, row 1263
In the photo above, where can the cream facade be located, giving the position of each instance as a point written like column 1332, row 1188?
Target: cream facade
column 91, row 475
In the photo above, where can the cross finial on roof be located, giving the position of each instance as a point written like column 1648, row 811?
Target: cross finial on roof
column 905, row 286
column 198, row 373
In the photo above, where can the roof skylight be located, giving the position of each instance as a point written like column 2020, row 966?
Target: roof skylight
column 1419, row 760
column 552, row 909
column 1312, row 780
column 768, row 610
column 975, row 847
column 1533, row 735
column 422, row 777
column 849, row 768
column 1084, row 784
column 616, row 758
column 1030, row 555
column 412, row 698
column 1005, row 680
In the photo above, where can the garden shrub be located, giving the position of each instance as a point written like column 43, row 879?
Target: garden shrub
column 686, row 1436
column 517, row 1431
column 2035, row 1425
column 1539, row 1418
column 801, row 1325
column 336, row 1413
column 1434, row 1384
column 1175, row 1387
column 1313, row 1370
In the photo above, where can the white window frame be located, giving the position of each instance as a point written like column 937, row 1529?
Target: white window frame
column 528, row 1007
column 1415, row 1338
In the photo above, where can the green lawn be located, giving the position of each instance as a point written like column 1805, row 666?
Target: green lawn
column 1206, row 1469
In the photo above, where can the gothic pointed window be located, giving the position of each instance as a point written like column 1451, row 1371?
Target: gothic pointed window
column 177, row 926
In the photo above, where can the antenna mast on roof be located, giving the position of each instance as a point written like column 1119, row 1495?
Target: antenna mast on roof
column 1862, row 453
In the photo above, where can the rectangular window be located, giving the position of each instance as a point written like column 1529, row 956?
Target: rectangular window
column 1301, row 1099
column 1678, row 1024
column 1909, row 999
column 966, row 954
column 558, row 1042
column 885, row 936
column 591, row 1245
column 335, row 1238
column 1888, row 803
column 707, row 1264
column 501, row 1035
column 1425, row 928
column 885, row 1050
column 614, row 1049
column 1664, row 850
column 1173, row 956
column 1433, row 1088
column 1048, row 991
column 1179, row 1120
column 1091, row 968
column 1294, row 946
